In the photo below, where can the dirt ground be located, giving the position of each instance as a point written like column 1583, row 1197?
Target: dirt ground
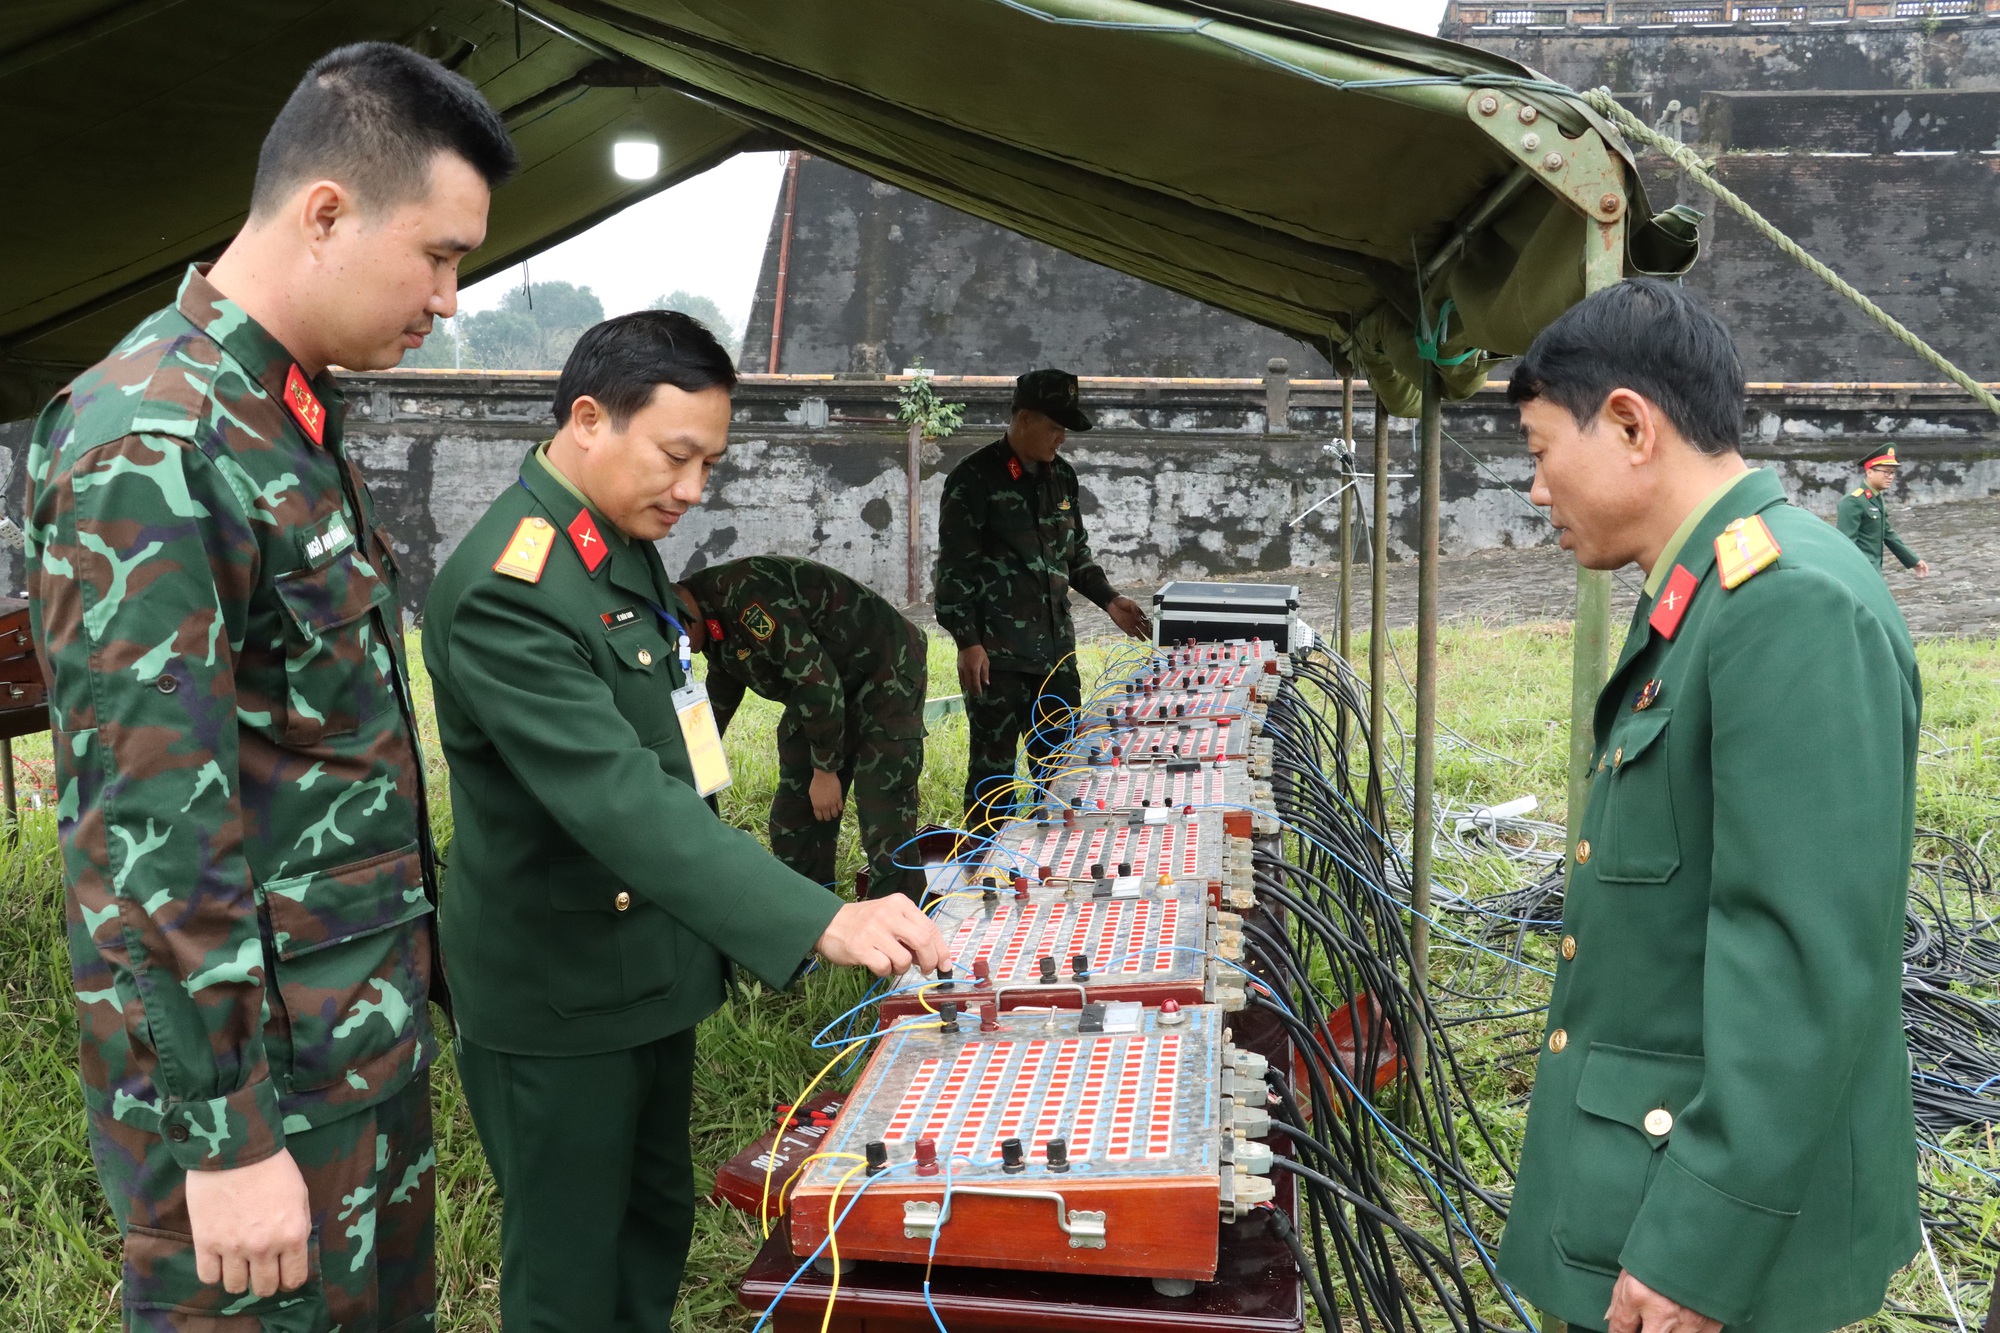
column 1961, row 596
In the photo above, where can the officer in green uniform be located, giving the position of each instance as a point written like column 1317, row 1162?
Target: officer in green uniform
column 850, row 671
column 245, row 841
column 1721, row 1130
column 592, row 896
column 1864, row 514
column 1011, row 545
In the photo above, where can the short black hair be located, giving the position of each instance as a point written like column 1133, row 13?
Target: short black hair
column 1655, row 338
column 372, row 116
column 621, row 361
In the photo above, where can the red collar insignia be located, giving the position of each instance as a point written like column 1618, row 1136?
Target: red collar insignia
column 715, row 634
column 1673, row 603
column 1014, row 468
column 306, row 407
column 589, row 546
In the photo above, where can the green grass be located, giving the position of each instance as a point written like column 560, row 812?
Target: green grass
column 1504, row 691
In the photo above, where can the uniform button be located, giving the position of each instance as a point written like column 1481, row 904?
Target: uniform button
column 166, row 684
column 1557, row 1040
column 622, row 901
column 645, row 657
column 1583, row 852
column 1569, row 947
column 178, row 1133
column 1659, row 1121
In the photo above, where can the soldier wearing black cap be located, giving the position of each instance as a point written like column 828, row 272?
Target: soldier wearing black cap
column 1011, row 545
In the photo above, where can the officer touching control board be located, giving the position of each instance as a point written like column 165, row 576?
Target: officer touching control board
column 593, row 899
column 851, row 673
column 1011, row 545
column 1721, row 1131
column 1863, row 517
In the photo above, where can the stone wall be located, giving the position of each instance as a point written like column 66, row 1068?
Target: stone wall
column 1181, row 478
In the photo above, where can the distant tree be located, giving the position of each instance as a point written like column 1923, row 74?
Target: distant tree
column 443, row 350
column 708, row 312
column 532, row 331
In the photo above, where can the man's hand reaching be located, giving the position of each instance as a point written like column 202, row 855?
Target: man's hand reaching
column 1128, row 616
column 886, row 935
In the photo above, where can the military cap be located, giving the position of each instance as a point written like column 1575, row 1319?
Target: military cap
column 1885, row 458
column 1052, row 393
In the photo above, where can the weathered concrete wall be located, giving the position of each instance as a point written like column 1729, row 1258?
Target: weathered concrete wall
column 879, row 277
column 1181, row 479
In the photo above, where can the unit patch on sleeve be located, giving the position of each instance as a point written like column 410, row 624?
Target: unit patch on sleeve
column 527, row 551
column 758, row 621
column 1744, row 547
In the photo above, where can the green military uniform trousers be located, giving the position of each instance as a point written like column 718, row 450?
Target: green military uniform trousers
column 591, row 1156
column 1037, row 705
column 881, row 773
column 370, row 1180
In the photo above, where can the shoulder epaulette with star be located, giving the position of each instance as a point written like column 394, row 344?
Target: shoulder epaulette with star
column 1745, row 547
column 527, row 551
column 1859, row 492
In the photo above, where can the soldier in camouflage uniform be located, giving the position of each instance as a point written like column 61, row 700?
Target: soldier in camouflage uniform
column 1011, row 545
column 850, row 671
column 242, row 812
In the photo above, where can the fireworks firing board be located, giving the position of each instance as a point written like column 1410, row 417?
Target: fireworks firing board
column 1135, row 1183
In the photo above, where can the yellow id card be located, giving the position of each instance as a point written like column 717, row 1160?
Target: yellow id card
column 704, row 742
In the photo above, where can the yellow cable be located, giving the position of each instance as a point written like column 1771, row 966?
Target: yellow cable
column 832, row 1245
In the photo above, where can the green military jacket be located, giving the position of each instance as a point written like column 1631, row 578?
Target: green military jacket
column 1011, row 545
column 591, row 896
column 1722, row 1104
column 241, row 804
column 843, row 661
column 1863, row 519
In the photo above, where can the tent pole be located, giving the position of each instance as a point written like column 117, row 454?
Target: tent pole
column 1378, row 625
column 1590, row 650
column 1421, row 831
column 1347, row 516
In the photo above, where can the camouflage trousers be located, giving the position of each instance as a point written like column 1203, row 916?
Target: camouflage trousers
column 880, row 776
column 1034, row 704
column 369, row 1177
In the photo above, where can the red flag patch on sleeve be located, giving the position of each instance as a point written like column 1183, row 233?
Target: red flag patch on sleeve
column 1673, row 603
column 305, row 405
column 589, row 544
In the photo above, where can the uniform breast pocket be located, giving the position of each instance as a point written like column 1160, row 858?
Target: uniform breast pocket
column 338, row 672
column 1636, row 840
column 643, row 686
column 1626, row 1105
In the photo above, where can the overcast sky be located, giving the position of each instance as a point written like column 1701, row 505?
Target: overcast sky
column 706, row 235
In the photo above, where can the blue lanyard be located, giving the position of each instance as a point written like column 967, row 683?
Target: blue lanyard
column 683, row 646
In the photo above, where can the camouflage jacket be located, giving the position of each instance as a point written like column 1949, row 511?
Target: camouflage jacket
column 843, row 661
column 1010, row 547
column 1863, row 519
column 240, row 802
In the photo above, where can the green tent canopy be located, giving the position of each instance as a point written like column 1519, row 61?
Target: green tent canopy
column 1385, row 196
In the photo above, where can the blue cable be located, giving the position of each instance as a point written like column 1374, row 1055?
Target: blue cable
column 801, row 1270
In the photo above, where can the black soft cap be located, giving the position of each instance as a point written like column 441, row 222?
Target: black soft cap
column 1053, row 393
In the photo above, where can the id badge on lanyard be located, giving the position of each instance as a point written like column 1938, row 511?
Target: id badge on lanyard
column 699, row 733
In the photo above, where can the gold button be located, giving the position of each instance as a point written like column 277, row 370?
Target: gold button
column 1569, row 947
column 1583, row 852
column 622, row 901
column 1557, row 1040
column 645, row 657
column 1618, row 757
column 1658, row 1122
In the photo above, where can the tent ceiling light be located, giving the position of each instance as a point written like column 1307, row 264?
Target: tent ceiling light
column 636, row 159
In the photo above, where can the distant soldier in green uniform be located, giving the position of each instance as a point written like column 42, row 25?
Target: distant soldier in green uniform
column 245, row 840
column 594, row 902
column 850, row 671
column 1864, row 514
column 1011, row 545
column 1721, row 1130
